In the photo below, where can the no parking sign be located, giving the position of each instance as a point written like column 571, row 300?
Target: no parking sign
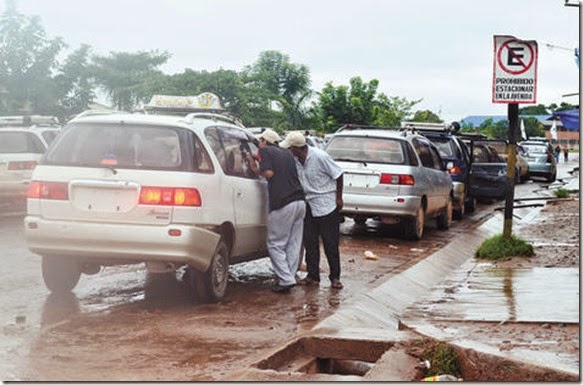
column 515, row 64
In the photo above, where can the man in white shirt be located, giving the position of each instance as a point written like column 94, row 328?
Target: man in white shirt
column 322, row 180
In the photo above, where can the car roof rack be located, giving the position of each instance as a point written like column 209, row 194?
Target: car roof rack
column 30, row 121
column 351, row 126
column 213, row 116
column 452, row 128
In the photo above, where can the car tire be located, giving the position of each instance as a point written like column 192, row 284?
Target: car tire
column 459, row 213
column 360, row 220
column 217, row 275
column 195, row 281
column 60, row 274
column 414, row 226
column 471, row 204
column 444, row 219
column 551, row 177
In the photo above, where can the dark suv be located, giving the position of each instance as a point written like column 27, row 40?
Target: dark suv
column 457, row 156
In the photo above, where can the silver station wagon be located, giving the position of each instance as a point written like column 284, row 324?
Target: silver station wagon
column 394, row 176
column 167, row 190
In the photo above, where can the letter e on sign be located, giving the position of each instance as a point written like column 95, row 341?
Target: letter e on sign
column 515, row 69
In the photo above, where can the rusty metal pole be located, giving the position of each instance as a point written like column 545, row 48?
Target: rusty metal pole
column 511, row 168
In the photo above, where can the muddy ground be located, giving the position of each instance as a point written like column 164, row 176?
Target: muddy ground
column 555, row 235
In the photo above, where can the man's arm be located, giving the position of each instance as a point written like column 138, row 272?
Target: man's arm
column 339, row 188
column 255, row 168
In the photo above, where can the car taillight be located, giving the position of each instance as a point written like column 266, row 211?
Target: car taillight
column 22, row 165
column 455, row 170
column 48, row 190
column 169, row 196
column 397, row 179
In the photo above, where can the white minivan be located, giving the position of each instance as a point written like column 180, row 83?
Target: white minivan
column 167, row 190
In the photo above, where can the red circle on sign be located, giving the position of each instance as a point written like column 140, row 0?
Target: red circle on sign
column 526, row 66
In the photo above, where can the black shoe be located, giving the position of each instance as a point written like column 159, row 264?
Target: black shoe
column 281, row 289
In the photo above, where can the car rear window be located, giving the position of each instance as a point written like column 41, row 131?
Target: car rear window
column 535, row 149
column 20, row 143
column 366, row 149
column 114, row 145
column 445, row 147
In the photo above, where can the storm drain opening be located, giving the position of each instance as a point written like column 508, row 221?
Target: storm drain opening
column 318, row 355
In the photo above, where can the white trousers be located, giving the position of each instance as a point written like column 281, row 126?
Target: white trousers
column 284, row 240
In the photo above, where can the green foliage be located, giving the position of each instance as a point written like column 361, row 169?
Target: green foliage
column 426, row 116
column 539, row 109
column 284, row 90
column 562, row 193
column 27, row 60
column 360, row 104
column 442, row 357
column 123, row 75
column 499, row 247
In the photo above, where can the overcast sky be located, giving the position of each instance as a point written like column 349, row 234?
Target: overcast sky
column 440, row 51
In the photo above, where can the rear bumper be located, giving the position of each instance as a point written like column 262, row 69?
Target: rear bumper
column 487, row 186
column 459, row 189
column 383, row 206
column 121, row 242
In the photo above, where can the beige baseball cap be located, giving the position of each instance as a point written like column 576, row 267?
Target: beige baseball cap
column 270, row 136
column 294, row 139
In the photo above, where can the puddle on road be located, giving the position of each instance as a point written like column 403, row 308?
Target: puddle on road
column 512, row 295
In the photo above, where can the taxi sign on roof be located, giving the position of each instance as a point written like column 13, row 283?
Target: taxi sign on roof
column 206, row 101
column 515, row 65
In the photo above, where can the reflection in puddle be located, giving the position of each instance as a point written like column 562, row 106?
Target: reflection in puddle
column 520, row 295
column 59, row 307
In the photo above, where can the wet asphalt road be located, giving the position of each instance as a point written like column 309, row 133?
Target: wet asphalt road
column 77, row 337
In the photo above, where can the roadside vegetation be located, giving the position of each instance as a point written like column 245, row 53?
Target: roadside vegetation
column 502, row 248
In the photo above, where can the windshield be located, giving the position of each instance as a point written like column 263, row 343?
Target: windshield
column 366, row 149
column 115, row 145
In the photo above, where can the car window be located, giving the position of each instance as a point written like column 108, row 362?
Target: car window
column 201, row 159
column 437, row 162
column 535, row 149
column 114, row 145
column 20, row 143
column 49, row 136
column 229, row 144
column 367, row 149
column 445, row 147
column 423, row 150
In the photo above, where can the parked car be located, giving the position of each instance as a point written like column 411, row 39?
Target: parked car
column 522, row 169
column 167, row 190
column 396, row 177
column 488, row 177
column 541, row 162
column 456, row 153
column 21, row 147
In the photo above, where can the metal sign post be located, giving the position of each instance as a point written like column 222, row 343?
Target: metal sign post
column 514, row 82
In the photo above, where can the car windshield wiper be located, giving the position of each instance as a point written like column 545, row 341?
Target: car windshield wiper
column 351, row 160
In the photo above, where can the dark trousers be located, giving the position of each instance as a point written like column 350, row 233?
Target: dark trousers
column 328, row 228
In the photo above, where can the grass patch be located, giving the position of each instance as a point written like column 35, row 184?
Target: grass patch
column 562, row 193
column 500, row 248
column 443, row 360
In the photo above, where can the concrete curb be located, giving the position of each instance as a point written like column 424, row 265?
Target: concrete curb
column 382, row 306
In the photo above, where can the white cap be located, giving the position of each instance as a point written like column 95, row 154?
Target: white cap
column 294, row 139
column 270, row 136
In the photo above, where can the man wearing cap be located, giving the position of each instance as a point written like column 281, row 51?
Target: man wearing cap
column 322, row 180
column 287, row 208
